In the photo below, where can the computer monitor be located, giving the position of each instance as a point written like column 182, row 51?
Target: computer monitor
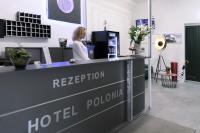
column 60, row 54
column 67, row 54
column 56, row 54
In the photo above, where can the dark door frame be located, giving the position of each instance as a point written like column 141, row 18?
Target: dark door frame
column 186, row 60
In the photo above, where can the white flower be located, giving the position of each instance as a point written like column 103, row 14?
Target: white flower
column 140, row 31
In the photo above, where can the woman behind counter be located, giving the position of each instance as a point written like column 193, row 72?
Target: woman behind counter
column 80, row 51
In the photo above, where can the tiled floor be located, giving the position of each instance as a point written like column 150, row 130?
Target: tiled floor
column 180, row 105
column 151, row 124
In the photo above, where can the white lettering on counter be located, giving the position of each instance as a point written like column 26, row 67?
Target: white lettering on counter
column 108, row 97
column 46, row 120
column 34, row 126
column 77, row 79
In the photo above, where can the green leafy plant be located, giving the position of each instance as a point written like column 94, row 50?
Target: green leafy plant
column 19, row 57
column 138, row 33
column 16, row 53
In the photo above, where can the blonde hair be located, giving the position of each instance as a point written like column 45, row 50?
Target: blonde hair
column 79, row 33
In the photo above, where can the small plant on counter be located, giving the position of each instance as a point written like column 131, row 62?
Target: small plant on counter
column 63, row 42
column 19, row 57
column 137, row 34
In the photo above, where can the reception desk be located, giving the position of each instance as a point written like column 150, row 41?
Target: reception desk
column 85, row 97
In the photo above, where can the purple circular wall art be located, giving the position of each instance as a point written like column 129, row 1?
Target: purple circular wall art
column 66, row 6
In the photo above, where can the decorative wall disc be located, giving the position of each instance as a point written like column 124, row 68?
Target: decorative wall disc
column 66, row 6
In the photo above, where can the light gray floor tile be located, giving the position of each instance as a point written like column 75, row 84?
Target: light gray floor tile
column 180, row 105
column 151, row 124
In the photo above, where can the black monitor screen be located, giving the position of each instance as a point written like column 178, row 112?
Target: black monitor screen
column 67, row 54
column 56, row 54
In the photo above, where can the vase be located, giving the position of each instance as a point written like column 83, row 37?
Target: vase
column 137, row 48
column 62, row 42
column 20, row 63
column 167, row 71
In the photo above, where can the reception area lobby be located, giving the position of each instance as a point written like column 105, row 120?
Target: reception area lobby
column 99, row 66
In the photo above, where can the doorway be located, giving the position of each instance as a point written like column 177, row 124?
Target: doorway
column 192, row 52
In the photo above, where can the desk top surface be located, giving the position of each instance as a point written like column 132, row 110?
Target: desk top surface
column 68, row 64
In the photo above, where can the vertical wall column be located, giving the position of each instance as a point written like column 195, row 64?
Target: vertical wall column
column 138, row 91
column 129, row 90
column 135, row 88
column 150, row 50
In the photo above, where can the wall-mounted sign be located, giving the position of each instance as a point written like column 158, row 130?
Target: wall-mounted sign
column 175, row 38
column 65, row 10
column 171, row 38
column 145, row 22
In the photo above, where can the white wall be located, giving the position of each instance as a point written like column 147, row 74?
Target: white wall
column 9, row 8
column 118, row 14
column 170, row 17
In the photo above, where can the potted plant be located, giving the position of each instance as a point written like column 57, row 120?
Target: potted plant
column 137, row 35
column 168, row 70
column 19, row 57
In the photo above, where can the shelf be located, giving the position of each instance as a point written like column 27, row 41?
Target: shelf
column 14, row 33
column 26, row 14
column 23, row 29
column 8, row 22
column 28, row 18
column 27, row 25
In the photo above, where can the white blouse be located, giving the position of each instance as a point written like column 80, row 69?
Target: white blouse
column 80, row 52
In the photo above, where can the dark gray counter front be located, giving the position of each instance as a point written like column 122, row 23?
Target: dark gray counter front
column 88, row 97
